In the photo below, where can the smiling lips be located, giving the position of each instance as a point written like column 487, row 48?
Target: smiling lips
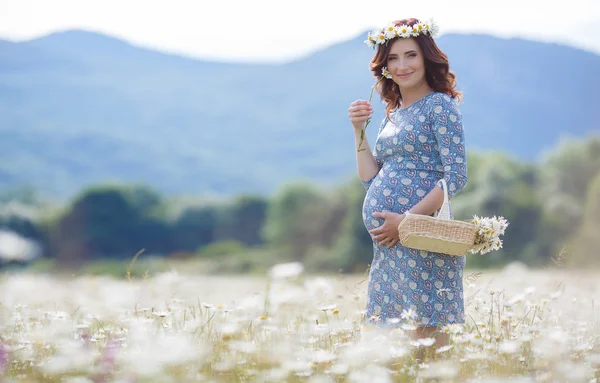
column 404, row 75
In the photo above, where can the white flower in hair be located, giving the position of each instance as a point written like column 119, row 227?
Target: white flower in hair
column 371, row 40
column 428, row 25
column 418, row 28
column 405, row 31
column 390, row 31
column 432, row 28
column 385, row 72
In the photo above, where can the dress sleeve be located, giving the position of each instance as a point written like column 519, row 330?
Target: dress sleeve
column 450, row 137
column 367, row 184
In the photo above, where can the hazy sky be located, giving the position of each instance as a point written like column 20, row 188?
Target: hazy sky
column 279, row 30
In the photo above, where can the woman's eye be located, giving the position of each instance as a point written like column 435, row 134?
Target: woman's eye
column 412, row 55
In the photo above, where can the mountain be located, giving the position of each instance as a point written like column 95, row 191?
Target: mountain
column 78, row 108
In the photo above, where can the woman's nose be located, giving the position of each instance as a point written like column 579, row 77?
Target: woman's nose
column 402, row 65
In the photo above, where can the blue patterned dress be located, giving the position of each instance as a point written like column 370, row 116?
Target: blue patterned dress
column 421, row 145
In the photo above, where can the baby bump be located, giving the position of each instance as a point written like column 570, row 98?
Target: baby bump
column 396, row 191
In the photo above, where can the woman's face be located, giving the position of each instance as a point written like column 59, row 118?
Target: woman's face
column 406, row 64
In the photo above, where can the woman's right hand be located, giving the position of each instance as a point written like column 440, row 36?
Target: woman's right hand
column 359, row 112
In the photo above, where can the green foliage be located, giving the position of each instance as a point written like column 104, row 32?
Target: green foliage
column 43, row 265
column 585, row 242
column 321, row 259
column 21, row 219
column 145, row 266
column 300, row 216
column 111, row 222
column 242, row 220
column 221, row 248
column 251, row 261
column 565, row 175
column 552, row 208
column 194, row 227
column 501, row 186
column 353, row 246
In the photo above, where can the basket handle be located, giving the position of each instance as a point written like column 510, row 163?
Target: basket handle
column 444, row 212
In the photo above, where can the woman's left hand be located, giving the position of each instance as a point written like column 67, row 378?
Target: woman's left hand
column 387, row 234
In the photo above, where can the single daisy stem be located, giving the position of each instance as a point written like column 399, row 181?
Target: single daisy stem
column 362, row 132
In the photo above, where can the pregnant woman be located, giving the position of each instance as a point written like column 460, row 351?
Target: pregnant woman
column 420, row 142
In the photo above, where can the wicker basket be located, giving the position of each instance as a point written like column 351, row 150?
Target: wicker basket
column 439, row 234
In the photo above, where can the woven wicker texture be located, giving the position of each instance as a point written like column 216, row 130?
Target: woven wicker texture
column 438, row 234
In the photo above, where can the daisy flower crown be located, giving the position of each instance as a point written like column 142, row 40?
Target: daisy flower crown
column 382, row 36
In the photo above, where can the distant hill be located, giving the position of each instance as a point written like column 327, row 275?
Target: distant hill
column 78, row 107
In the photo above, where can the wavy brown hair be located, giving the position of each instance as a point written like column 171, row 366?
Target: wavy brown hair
column 437, row 69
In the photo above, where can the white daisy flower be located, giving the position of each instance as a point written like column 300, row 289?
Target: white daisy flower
column 432, row 28
column 374, row 38
column 405, row 30
column 444, row 349
column 380, row 38
column 385, row 72
column 408, row 314
column 418, row 28
column 163, row 313
column 390, row 31
column 370, row 41
column 427, row 342
column 328, row 307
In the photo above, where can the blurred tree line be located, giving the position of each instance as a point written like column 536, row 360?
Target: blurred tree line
column 553, row 207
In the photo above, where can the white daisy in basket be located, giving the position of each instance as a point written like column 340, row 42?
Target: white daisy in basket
column 488, row 235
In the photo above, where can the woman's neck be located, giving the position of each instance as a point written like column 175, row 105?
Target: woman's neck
column 412, row 95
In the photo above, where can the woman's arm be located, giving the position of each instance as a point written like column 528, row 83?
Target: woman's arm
column 360, row 112
column 365, row 161
column 431, row 203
